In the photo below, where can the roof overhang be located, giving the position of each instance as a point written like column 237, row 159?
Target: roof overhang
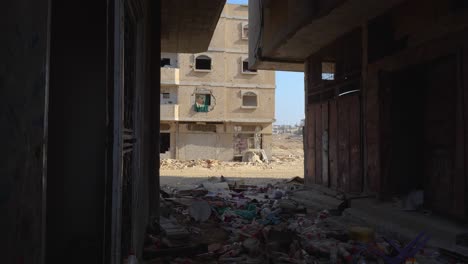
column 187, row 26
column 305, row 31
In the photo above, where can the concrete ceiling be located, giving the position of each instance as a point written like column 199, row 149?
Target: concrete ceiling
column 321, row 32
column 296, row 46
column 188, row 25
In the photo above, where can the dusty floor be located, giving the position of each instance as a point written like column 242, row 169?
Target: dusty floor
column 287, row 161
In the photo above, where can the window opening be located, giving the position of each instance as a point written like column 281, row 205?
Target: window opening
column 245, row 31
column 245, row 67
column 203, row 62
column 249, row 99
column 164, row 142
column 165, row 62
column 202, row 102
column 168, row 98
column 328, row 71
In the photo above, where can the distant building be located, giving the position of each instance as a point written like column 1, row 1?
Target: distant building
column 212, row 105
column 286, row 129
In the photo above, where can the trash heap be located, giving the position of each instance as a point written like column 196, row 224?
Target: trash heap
column 225, row 222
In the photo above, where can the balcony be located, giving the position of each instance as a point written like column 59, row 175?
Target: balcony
column 169, row 112
column 169, row 76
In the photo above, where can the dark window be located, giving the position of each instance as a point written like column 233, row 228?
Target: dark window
column 165, row 61
column 203, row 63
column 164, row 142
column 245, row 31
column 245, row 66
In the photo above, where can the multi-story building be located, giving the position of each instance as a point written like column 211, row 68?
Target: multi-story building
column 212, row 105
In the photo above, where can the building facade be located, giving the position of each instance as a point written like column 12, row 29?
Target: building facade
column 212, row 105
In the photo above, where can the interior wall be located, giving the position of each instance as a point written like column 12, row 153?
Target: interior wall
column 420, row 147
column 437, row 31
column 23, row 115
column 77, row 132
column 453, row 202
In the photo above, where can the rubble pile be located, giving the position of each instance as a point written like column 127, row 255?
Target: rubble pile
column 223, row 221
column 173, row 164
column 286, row 158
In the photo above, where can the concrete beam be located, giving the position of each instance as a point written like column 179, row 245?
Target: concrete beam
column 187, row 26
column 299, row 37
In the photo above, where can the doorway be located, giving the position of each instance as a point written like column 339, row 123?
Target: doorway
column 421, row 146
column 165, row 142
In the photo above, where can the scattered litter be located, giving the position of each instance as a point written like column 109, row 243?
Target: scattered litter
column 200, row 211
column 224, row 221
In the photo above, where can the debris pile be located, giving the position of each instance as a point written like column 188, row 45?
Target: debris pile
column 223, row 221
column 173, row 164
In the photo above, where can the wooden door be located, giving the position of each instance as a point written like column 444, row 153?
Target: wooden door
column 333, row 144
column 349, row 144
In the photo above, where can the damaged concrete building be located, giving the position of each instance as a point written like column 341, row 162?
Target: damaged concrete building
column 212, row 105
column 386, row 93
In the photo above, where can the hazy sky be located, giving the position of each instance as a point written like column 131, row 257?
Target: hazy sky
column 289, row 92
column 244, row 2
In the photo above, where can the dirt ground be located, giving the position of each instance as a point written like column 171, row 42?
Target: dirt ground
column 287, row 161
